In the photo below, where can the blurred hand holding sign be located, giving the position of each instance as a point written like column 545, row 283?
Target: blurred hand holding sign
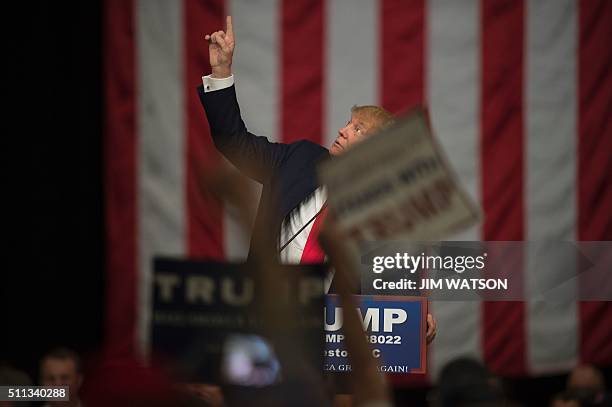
column 397, row 184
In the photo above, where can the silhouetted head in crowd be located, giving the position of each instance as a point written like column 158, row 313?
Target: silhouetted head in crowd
column 130, row 382
column 586, row 384
column 465, row 382
column 586, row 377
column 9, row 376
column 62, row 367
column 565, row 399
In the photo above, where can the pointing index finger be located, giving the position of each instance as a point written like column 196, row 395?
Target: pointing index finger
column 229, row 30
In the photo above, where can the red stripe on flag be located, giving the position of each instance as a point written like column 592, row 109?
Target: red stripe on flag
column 595, row 162
column 302, row 57
column 502, row 169
column 120, row 175
column 204, row 212
column 402, row 83
column 402, row 75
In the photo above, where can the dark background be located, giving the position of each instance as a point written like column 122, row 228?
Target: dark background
column 52, row 278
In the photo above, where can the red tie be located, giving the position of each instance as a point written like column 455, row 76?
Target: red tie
column 312, row 251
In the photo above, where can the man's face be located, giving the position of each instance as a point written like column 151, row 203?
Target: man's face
column 355, row 131
column 60, row 372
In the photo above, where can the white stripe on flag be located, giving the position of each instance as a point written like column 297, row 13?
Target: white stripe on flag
column 255, row 67
column 161, row 226
column 352, row 61
column 453, row 94
column 551, row 179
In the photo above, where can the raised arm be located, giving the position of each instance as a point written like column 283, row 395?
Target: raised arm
column 369, row 385
column 255, row 156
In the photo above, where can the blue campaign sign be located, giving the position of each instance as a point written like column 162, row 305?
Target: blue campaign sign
column 394, row 327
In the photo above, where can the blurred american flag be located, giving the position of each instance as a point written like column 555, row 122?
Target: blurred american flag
column 520, row 96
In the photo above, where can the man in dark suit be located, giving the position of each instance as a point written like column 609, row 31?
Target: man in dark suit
column 292, row 197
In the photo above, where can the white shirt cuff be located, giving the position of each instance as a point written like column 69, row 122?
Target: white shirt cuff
column 213, row 84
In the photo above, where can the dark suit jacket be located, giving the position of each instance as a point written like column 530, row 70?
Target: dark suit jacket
column 287, row 171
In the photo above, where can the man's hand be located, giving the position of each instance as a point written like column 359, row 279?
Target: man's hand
column 221, row 50
column 431, row 329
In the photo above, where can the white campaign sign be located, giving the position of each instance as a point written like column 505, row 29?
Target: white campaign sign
column 397, row 184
